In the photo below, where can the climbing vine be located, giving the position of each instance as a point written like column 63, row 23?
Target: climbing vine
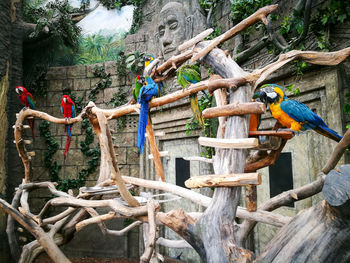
column 92, row 153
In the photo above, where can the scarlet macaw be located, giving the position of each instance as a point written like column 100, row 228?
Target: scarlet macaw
column 68, row 110
column 148, row 90
column 28, row 101
column 294, row 114
column 186, row 75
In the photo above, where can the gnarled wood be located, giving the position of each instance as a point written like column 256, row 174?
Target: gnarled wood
column 235, row 109
column 227, row 180
column 229, row 143
column 258, row 15
column 154, row 150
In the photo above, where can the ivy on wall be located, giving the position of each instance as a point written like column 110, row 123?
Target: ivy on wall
column 92, row 153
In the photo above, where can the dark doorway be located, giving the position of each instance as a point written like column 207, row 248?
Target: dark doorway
column 182, row 171
column 281, row 175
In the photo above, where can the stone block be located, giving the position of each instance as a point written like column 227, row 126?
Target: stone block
column 121, row 155
column 54, row 99
column 76, row 71
column 124, row 139
column 108, row 94
column 38, row 159
column 67, row 84
column 75, row 157
column 116, row 81
column 135, row 170
column 130, row 48
column 124, row 170
column 69, row 172
column 55, row 85
column 110, row 67
column 81, row 84
column 132, row 156
column 40, row 174
column 90, row 69
column 56, row 73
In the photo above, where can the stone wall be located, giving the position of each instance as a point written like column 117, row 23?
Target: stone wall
column 80, row 79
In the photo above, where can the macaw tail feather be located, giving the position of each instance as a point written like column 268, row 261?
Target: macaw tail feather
column 31, row 124
column 197, row 114
column 68, row 130
column 143, row 118
column 67, row 146
column 325, row 131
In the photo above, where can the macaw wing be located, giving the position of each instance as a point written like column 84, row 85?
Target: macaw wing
column 62, row 110
column 31, row 102
column 301, row 113
column 73, row 111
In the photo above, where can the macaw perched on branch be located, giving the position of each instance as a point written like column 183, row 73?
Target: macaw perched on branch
column 28, row 101
column 147, row 58
column 139, row 82
column 186, row 75
column 68, row 110
column 294, row 114
column 148, row 90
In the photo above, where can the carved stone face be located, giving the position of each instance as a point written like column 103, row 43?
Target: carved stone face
column 171, row 28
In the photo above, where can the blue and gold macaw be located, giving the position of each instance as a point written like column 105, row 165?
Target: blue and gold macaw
column 147, row 58
column 186, row 75
column 294, row 114
column 148, row 90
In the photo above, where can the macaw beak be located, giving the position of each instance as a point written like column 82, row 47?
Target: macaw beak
column 17, row 91
column 65, row 100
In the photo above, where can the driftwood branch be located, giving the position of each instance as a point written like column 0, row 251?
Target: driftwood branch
column 257, row 16
column 235, row 109
column 337, row 153
column 152, row 207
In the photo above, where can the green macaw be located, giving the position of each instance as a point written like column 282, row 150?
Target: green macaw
column 186, row 75
column 139, row 82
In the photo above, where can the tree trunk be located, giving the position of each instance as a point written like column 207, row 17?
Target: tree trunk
column 217, row 226
column 321, row 233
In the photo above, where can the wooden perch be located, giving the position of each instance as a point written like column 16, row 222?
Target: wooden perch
column 258, row 15
column 235, row 109
column 195, row 40
column 227, row 180
column 198, row 158
column 154, row 150
column 244, row 143
column 107, row 147
column 152, row 227
column 282, row 134
column 161, row 154
column 313, row 57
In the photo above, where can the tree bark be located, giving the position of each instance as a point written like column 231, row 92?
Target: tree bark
column 216, row 227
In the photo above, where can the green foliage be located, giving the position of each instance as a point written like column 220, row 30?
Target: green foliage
column 333, row 13
column 52, row 147
column 210, row 125
column 134, row 62
column 119, row 98
column 92, row 153
column 104, row 82
column 241, row 9
column 295, row 91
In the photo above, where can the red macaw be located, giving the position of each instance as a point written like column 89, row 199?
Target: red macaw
column 68, row 110
column 28, row 101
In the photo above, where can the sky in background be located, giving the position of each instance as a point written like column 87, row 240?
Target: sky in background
column 106, row 21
